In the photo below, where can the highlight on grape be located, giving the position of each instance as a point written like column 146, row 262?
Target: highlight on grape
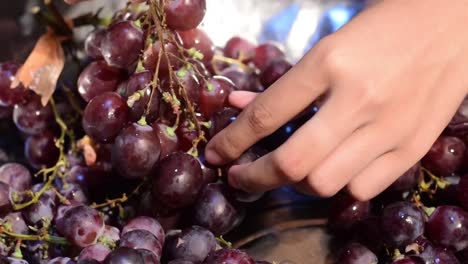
column 110, row 167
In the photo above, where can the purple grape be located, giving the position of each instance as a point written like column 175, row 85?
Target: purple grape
column 145, row 223
column 97, row 251
column 124, row 255
column 40, row 150
column 142, row 239
column 177, row 181
column 210, row 175
column 274, row 71
column 242, row 79
column 266, row 53
column 446, row 156
column 184, row 14
column 192, row 244
column 462, row 192
column 61, row 260
column 16, row 222
column 222, row 119
column 136, row 150
column 458, row 126
column 9, row 96
column 356, row 253
column 92, row 43
column 16, row 176
column 448, row 227
column 167, row 137
column 73, row 191
column 81, row 225
column 148, row 256
column 198, row 39
column 98, row 78
column 5, row 202
column 104, row 117
column 443, row 256
column 31, row 117
column 214, row 95
column 110, row 235
column 346, row 211
column 214, row 209
column 141, row 83
column 409, row 180
column 402, row 222
column 122, row 44
column 239, row 48
column 45, row 208
column 229, row 256
column 152, row 53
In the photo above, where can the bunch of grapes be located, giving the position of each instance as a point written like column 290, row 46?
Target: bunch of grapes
column 421, row 218
column 113, row 168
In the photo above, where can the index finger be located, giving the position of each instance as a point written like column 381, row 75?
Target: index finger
column 270, row 110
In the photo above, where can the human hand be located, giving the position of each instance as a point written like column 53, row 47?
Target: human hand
column 393, row 78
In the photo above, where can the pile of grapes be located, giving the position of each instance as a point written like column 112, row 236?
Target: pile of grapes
column 113, row 168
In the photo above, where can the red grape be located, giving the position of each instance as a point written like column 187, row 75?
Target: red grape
column 177, row 180
column 124, row 255
column 448, row 226
column 229, row 256
column 266, row 53
column 16, row 175
column 356, row 253
column 243, row 80
column 136, row 150
column 409, row 180
column 443, row 256
column 214, row 95
column 184, row 14
column 98, row 78
column 31, row 117
column 197, row 244
column 446, row 156
column 97, row 251
column 40, row 150
column 152, row 53
column 239, row 48
column 142, row 239
column 92, row 43
column 187, row 132
column 140, row 82
column 222, row 119
column 168, row 138
column 146, row 223
column 274, row 71
column 5, row 202
column 104, row 117
column 198, row 39
column 10, row 96
column 81, row 225
column 345, row 211
column 402, row 222
column 122, row 44
column 188, row 79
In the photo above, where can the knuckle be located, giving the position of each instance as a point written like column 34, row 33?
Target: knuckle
column 368, row 96
column 321, row 187
column 259, row 118
column 228, row 147
column 332, row 56
column 288, row 167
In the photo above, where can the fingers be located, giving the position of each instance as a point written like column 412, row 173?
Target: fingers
column 240, row 99
column 295, row 159
column 270, row 110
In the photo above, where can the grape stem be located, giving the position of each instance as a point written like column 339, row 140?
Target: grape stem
column 44, row 237
column 230, row 61
column 117, row 201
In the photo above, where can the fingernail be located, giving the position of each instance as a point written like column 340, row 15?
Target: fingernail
column 212, row 157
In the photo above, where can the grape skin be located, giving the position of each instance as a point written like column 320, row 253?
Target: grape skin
column 124, row 255
column 145, row 223
column 447, row 226
column 402, row 222
column 98, row 78
column 184, row 14
column 142, row 239
column 31, row 117
column 16, row 176
column 97, row 251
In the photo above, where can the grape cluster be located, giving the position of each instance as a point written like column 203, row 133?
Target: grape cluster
column 420, row 218
column 118, row 161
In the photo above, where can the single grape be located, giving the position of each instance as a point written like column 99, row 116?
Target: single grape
column 458, row 126
column 81, row 225
column 198, row 39
column 92, row 43
column 229, row 256
column 356, row 253
column 140, row 83
column 209, row 174
column 448, row 227
column 152, row 53
column 462, row 192
column 345, row 211
column 443, row 256
column 142, row 239
column 187, row 132
column 97, row 252
column 136, row 150
column 239, row 48
column 214, row 95
column 274, row 71
column 422, row 248
column 402, row 222
column 73, row 191
column 45, row 208
column 243, row 80
column 409, row 180
column 98, row 78
column 124, row 255
column 104, row 117
column 184, row 14
column 266, row 53
column 110, row 235
column 446, row 156
column 222, row 119
column 16, row 175
column 146, row 223
column 214, row 209
column 177, row 180
column 192, row 244
column 122, row 44
column 61, row 260
column 16, row 222
column 148, row 256
column 188, row 79
column 10, row 96
column 31, row 117
column 167, row 137
column 40, row 150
